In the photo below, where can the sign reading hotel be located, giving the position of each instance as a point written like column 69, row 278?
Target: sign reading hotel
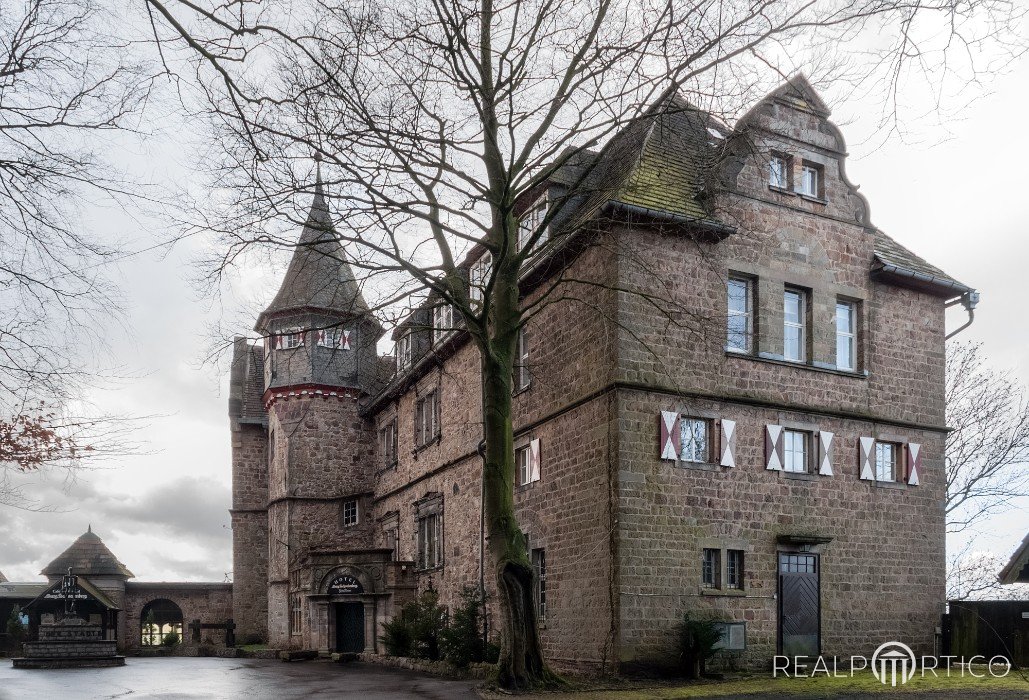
column 344, row 584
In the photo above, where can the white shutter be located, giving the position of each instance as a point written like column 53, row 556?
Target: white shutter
column 773, row 447
column 278, row 342
column 668, row 445
column 825, row 453
column 728, row 443
column 866, row 458
column 914, row 462
column 319, row 336
column 344, row 339
column 534, row 460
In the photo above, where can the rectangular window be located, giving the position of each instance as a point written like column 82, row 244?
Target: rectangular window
column 523, row 465
column 405, row 350
column 734, row 568
column 296, row 614
column 539, row 568
column 531, row 222
column 796, row 450
column 478, row 276
column 811, row 180
column 740, row 331
column 349, row 513
column 430, row 541
column 293, row 339
column 521, row 368
column 798, row 563
column 794, row 325
column 846, row 335
column 695, row 445
column 388, row 443
column 779, row 171
column 426, row 418
column 711, row 569
column 442, row 322
column 335, row 338
column 886, row 460
column 392, row 536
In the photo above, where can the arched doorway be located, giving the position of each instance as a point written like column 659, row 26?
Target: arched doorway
column 160, row 623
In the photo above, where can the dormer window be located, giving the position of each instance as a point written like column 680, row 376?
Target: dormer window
column 335, row 338
column 292, row 338
column 811, row 180
column 442, row 322
column 405, row 350
column 779, row 171
column 531, row 222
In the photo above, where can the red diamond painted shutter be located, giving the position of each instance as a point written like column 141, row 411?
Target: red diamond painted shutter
column 728, row 443
column 278, row 342
column 866, row 458
column 914, row 462
column 825, row 440
column 773, row 447
column 344, row 339
column 319, row 337
column 669, row 421
column 534, row 460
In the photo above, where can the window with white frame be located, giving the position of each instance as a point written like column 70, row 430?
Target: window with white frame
column 478, row 274
column 695, row 440
column 532, row 221
column 442, row 322
column 740, row 330
column 887, row 456
column 350, row 512
column 779, row 171
column 794, row 325
column 539, row 567
column 522, row 378
column 334, row 338
column 846, row 335
column 523, row 465
column 430, row 541
column 796, row 446
column 293, row 338
column 405, row 350
column 426, row 418
column 811, row 180
column 711, row 569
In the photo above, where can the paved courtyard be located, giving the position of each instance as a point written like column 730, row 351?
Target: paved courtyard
column 247, row 679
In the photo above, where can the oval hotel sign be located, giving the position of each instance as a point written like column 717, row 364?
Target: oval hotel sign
column 343, row 584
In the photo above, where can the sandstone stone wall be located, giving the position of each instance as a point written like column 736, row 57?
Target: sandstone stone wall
column 250, row 531
column 208, row 602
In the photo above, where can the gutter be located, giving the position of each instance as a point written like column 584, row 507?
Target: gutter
column 719, row 229
column 966, row 296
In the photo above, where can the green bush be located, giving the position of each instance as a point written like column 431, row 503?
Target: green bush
column 416, row 629
column 15, row 631
column 171, row 639
column 697, row 638
column 397, row 636
column 461, row 641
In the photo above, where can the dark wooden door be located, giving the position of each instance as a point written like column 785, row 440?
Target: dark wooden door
column 799, row 605
column 350, row 627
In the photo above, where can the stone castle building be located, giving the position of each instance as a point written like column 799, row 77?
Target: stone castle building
column 737, row 410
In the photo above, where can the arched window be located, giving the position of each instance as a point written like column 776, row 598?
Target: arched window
column 159, row 621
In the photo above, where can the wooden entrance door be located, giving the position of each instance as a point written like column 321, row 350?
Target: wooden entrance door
column 350, row 627
column 799, row 605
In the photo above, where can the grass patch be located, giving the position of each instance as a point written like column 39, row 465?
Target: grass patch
column 253, row 647
column 862, row 682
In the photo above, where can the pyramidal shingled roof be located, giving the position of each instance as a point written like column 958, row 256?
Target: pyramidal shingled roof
column 318, row 276
column 3, row 579
column 87, row 556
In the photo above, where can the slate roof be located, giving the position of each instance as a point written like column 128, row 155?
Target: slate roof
column 889, row 253
column 318, row 276
column 3, row 579
column 253, row 387
column 82, row 583
column 1017, row 568
column 87, row 556
column 21, row 591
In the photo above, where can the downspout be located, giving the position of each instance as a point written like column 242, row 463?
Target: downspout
column 969, row 300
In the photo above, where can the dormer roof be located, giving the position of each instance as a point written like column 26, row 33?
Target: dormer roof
column 87, row 556
column 318, row 277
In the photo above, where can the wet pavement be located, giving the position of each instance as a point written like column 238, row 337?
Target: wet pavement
column 231, row 679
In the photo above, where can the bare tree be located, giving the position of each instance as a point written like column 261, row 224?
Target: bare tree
column 438, row 121
column 988, row 447
column 65, row 80
column 972, row 575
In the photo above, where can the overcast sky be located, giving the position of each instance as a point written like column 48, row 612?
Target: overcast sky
column 957, row 197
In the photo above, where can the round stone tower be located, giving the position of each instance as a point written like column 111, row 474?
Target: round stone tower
column 319, row 360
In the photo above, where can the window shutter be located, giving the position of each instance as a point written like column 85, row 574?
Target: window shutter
column 534, row 460
column 278, row 342
column 669, row 435
column 344, row 339
column 773, row 447
column 319, row 336
column 825, row 453
column 866, row 458
column 728, row 443
column 914, row 462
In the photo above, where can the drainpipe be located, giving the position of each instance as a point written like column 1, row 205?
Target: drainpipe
column 969, row 300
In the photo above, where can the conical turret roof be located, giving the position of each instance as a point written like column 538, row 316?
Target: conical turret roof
column 87, row 556
column 318, row 276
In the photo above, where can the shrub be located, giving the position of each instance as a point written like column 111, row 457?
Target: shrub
column 461, row 641
column 15, row 630
column 697, row 638
column 171, row 639
column 397, row 636
column 415, row 630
